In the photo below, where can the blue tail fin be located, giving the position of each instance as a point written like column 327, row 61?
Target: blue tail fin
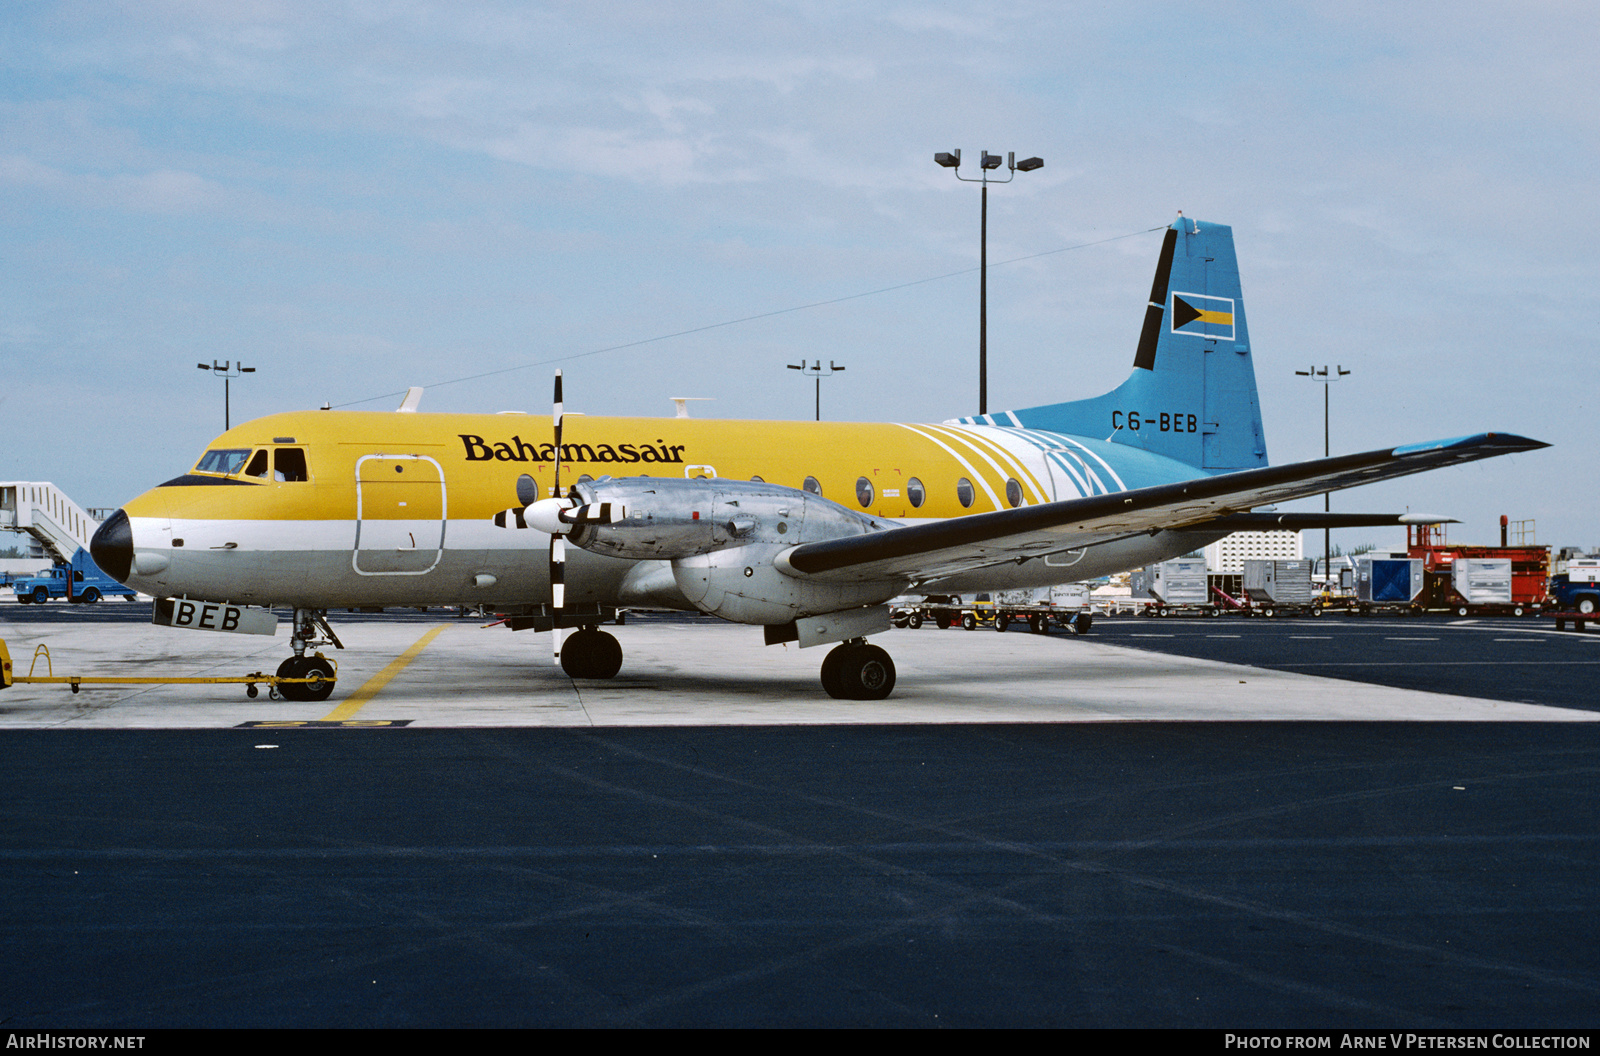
column 1192, row 393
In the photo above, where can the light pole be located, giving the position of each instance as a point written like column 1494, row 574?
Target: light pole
column 986, row 163
column 227, row 370
column 1322, row 374
column 818, row 371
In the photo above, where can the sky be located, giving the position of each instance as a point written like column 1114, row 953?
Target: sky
column 679, row 199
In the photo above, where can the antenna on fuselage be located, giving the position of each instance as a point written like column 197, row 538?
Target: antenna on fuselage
column 409, row 404
column 683, row 403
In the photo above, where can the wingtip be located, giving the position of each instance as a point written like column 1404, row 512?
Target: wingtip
column 1498, row 443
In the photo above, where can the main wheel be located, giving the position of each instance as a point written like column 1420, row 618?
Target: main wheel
column 858, row 671
column 591, row 653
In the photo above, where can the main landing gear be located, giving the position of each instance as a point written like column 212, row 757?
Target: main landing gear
column 857, row 671
column 591, row 653
column 310, row 630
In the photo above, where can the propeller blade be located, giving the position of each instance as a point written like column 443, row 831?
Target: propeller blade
column 593, row 513
column 558, row 545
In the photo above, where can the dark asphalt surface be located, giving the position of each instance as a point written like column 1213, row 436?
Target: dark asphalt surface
column 1524, row 660
column 1222, row 875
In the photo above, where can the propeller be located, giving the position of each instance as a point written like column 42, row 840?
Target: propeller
column 556, row 516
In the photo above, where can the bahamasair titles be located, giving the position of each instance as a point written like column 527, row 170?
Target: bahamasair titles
column 805, row 529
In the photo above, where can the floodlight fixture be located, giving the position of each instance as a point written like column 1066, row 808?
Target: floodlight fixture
column 227, row 370
column 987, row 163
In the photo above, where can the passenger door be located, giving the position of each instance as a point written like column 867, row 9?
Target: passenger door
column 400, row 515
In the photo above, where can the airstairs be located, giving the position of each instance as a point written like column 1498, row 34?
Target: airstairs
column 59, row 526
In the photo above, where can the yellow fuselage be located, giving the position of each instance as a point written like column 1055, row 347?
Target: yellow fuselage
column 335, row 509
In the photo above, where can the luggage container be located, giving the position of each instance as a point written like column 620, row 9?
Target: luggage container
column 1481, row 583
column 1174, row 586
column 1388, row 583
column 1278, row 586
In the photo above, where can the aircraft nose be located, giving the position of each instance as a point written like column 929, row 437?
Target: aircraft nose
column 112, row 547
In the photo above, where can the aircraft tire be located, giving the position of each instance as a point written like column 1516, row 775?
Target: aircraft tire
column 294, row 667
column 316, row 667
column 591, row 653
column 858, row 671
column 830, row 672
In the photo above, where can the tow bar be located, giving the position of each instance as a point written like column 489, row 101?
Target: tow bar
column 250, row 681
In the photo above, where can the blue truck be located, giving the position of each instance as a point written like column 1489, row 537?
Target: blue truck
column 1578, row 588
column 80, row 581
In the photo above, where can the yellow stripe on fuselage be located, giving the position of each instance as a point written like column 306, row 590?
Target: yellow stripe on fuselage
column 483, row 455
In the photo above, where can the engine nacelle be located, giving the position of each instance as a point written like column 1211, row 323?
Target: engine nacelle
column 667, row 518
column 743, row 586
column 722, row 537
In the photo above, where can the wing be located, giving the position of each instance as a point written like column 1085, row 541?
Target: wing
column 944, row 548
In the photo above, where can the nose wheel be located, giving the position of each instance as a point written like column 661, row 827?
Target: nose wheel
column 858, row 671
column 315, row 667
column 310, row 630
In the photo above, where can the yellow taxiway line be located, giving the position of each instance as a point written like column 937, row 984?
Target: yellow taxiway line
column 355, row 701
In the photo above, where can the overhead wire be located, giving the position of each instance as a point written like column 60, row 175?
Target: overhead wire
column 747, row 318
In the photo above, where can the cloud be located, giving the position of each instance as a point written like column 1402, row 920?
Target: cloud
column 166, row 191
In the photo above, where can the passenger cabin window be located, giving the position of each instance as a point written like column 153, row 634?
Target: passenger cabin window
column 289, row 463
column 964, row 493
column 257, row 466
column 864, row 492
column 915, row 493
column 1013, row 492
column 812, row 486
column 223, row 460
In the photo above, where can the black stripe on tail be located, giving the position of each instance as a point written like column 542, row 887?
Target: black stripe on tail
column 1145, row 358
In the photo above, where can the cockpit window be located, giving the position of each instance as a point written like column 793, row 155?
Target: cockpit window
column 289, row 463
column 223, row 460
column 257, row 466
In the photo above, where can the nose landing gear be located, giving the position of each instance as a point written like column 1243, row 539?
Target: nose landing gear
column 310, row 630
